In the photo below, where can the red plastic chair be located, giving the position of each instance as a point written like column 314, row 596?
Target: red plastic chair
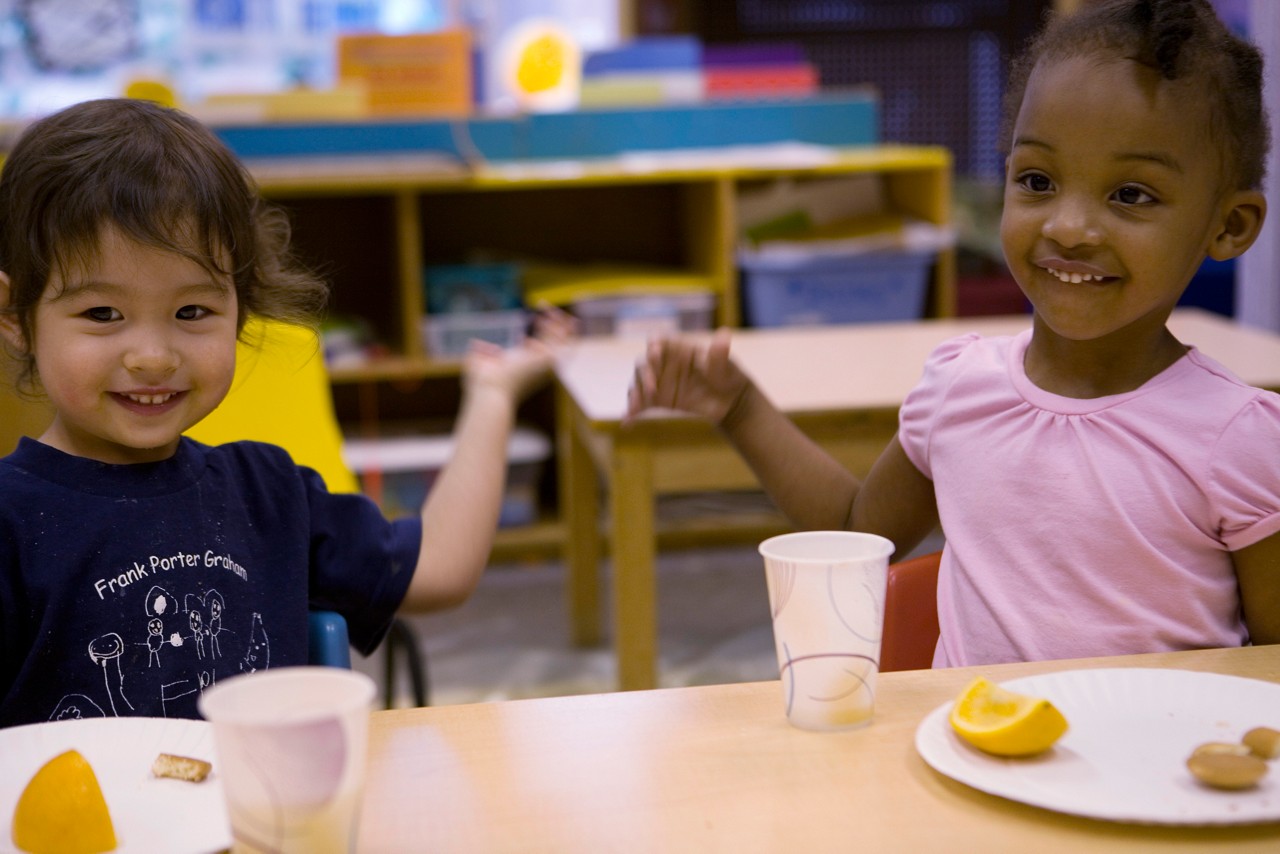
column 911, row 614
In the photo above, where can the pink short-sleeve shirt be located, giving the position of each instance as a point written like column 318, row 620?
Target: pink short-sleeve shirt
column 1089, row 527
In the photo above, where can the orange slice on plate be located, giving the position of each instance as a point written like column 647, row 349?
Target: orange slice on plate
column 1005, row 723
column 62, row 810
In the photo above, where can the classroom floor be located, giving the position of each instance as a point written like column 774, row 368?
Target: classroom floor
column 510, row 639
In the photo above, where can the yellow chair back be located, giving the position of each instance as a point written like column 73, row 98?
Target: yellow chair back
column 281, row 395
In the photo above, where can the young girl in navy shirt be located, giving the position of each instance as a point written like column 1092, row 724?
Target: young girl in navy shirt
column 137, row 566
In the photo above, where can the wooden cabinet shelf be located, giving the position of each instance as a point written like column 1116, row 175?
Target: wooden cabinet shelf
column 371, row 226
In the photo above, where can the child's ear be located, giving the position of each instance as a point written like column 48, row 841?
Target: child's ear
column 1245, row 211
column 8, row 323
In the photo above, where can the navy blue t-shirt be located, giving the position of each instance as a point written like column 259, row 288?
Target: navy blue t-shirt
column 129, row 589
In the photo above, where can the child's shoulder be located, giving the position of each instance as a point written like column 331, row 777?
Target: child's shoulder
column 258, row 461
column 970, row 349
column 245, row 450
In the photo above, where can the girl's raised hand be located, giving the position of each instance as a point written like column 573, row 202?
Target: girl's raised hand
column 520, row 371
column 691, row 376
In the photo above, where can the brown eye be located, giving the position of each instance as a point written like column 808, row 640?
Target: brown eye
column 192, row 312
column 102, row 314
column 1035, row 182
column 1133, row 196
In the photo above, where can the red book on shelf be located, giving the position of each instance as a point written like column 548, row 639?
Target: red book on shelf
column 760, row 80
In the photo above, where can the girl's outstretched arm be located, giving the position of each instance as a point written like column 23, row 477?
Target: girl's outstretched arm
column 460, row 516
column 811, row 487
column 1258, row 573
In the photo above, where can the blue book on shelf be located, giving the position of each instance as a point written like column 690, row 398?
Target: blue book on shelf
column 647, row 53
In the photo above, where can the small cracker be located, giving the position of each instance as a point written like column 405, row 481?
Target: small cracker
column 180, row 768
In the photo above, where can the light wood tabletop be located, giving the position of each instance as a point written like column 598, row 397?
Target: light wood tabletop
column 841, row 384
column 718, row 768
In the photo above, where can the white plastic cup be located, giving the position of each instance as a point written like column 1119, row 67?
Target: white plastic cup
column 826, row 594
column 291, row 746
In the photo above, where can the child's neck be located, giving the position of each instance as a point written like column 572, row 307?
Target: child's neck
column 1115, row 364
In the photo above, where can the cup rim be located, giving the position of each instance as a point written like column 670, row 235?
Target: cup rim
column 769, row 548
column 224, row 692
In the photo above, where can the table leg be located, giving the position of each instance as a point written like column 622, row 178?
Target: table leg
column 632, row 537
column 579, row 508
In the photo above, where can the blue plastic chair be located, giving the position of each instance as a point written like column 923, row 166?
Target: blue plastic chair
column 328, row 645
column 327, row 642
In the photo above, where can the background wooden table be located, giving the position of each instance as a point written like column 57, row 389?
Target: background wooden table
column 841, row 384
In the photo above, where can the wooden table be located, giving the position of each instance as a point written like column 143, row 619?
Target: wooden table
column 717, row 768
column 841, row 384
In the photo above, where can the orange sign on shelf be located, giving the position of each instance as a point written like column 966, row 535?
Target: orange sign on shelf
column 419, row 74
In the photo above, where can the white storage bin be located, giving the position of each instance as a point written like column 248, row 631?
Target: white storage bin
column 403, row 469
column 447, row 335
column 643, row 316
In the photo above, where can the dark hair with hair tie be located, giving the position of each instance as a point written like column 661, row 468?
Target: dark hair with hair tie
column 1181, row 40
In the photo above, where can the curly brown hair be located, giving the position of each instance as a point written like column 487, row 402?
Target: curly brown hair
column 1180, row 39
column 163, row 179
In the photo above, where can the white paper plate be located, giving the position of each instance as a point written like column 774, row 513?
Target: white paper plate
column 149, row 814
column 1123, row 756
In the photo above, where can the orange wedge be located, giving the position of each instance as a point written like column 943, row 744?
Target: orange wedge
column 62, row 810
column 1006, row 723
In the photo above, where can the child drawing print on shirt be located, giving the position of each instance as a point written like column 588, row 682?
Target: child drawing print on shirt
column 157, row 604
column 257, row 655
column 105, row 652
column 75, row 707
column 197, row 630
column 213, row 600
column 155, row 640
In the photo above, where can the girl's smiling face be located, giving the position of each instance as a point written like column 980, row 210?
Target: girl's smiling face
column 1112, row 196
column 132, row 348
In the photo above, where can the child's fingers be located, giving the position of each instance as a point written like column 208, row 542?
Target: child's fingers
column 554, row 325
column 716, row 363
column 674, row 373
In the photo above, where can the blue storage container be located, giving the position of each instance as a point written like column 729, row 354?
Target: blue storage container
column 793, row 289
column 472, row 287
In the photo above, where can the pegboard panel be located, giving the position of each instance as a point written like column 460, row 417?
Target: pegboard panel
column 939, row 67
column 779, row 16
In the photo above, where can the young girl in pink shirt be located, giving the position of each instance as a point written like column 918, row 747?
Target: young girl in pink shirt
column 1103, row 487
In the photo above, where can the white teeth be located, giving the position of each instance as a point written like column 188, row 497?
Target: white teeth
column 149, row 399
column 1073, row 278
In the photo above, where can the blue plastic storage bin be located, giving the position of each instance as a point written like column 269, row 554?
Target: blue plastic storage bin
column 796, row 290
column 472, row 287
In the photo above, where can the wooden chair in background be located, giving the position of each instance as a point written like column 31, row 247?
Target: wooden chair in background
column 911, row 614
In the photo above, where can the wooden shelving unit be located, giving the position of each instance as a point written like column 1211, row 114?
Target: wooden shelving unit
column 371, row 227
column 373, row 231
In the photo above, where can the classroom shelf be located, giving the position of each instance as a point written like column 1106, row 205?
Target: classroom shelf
column 371, row 224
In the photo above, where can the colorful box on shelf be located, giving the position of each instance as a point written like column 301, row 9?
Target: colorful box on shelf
column 830, row 118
